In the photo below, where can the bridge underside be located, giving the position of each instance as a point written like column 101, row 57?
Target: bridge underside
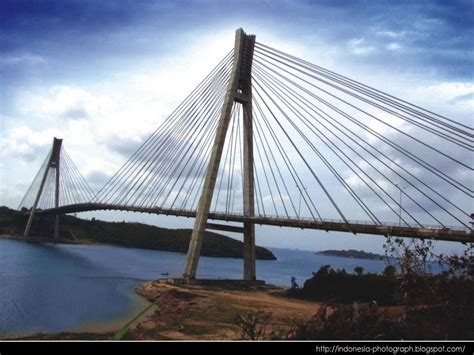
column 447, row 234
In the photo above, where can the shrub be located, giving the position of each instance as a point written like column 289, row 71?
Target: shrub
column 331, row 285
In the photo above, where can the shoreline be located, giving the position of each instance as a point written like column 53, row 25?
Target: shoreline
column 40, row 240
column 198, row 312
column 48, row 240
column 106, row 329
column 101, row 329
column 77, row 230
column 191, row 312
column 115, row 324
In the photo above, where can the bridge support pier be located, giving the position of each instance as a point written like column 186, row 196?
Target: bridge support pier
column 248, row 165
column 53, row 162
column 238, row 90
column 56, row 163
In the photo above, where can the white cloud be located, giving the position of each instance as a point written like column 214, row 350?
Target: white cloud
column 22, row 59
column 391, row 34
column 23, row 142
column 360, row 46
column 449, row 91
column 394, row 46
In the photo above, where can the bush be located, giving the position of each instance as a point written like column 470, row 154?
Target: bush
column 253, row 325
column 331, row 285
column 363, row 321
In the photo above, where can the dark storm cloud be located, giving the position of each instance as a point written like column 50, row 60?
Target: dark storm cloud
column 87, row 27
column 39, row 23
column 436, row 33
column 43, row 42
column 432, row 36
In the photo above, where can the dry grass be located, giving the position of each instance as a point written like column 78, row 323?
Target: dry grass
column 209, row 313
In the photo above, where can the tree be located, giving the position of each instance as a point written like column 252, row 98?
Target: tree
column 294, row 285
column 389, row 271
column 359, row 270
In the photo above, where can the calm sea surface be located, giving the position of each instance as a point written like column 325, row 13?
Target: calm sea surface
column 53, row 288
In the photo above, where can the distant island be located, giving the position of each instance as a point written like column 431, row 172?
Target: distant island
column 129, row 234
column 351, row 253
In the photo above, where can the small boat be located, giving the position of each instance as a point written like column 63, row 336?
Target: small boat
column 164, row 274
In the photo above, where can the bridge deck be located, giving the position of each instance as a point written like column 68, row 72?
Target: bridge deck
column 437, row 233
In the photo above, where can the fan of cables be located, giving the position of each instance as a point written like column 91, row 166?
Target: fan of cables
column 326, row 147
column 73, row 188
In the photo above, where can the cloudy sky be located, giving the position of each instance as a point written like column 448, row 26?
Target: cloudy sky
column 103, row 75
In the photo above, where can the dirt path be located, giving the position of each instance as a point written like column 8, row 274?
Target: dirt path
column 195, row 312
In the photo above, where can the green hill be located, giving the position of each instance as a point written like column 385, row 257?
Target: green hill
column 137, row 235
column 351, row 253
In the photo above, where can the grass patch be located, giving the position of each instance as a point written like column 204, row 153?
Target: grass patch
column 119, row 335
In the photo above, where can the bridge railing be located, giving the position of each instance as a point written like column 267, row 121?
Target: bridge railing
column 356, row 222
column 231, row 216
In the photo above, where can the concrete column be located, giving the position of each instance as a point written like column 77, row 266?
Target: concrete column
column 54, row 156
column 248, row 163
column 249, row 200
column 205, row 200
column 57, row 158
column 35, row 203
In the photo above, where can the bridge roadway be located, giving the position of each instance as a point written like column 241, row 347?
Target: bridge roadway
column 436, row 233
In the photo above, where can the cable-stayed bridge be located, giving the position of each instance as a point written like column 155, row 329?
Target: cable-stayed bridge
column 268, row 138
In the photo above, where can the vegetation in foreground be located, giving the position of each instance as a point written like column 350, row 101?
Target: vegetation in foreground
column 135, row 235
column 339, row 286
column 429, row 306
